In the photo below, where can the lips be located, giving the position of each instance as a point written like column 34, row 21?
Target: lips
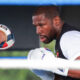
column 42, row 38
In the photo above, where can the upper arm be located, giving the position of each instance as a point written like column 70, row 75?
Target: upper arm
column 70, row 44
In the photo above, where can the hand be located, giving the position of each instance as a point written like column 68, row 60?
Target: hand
column 41, row 54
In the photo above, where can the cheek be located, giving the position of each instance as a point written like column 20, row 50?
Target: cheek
column 48, row 30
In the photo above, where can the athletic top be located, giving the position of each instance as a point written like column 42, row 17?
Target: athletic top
column 68, row 45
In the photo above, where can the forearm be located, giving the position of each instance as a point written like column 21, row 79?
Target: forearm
column 74, row 73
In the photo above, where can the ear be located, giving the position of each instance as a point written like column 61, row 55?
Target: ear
column 56, row 21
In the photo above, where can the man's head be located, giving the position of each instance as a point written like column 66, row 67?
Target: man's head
column 47, row 22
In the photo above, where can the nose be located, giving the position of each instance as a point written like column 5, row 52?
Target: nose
column 38, row 30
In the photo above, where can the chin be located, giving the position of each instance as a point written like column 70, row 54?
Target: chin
column 46, row 42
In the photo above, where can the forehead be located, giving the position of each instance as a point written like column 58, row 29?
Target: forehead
column 39, row 17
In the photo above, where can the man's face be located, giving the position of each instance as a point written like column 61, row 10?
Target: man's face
column 44, row 28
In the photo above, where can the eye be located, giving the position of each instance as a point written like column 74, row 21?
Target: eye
column 41, row 24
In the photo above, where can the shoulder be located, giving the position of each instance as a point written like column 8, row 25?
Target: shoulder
column 69, row 35
column 70, row 43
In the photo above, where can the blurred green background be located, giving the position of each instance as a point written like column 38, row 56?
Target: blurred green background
column 20, row 74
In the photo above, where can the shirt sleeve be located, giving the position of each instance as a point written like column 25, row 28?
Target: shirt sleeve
column 70, row 44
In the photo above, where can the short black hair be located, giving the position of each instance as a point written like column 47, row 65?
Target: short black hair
column 49, row 11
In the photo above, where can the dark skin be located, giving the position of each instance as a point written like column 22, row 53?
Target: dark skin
column 48, row 30
column 74, row 73
column 44, row 28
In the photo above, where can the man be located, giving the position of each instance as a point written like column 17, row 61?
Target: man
column 49, row 26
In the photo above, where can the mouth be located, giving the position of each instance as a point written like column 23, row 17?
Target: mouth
column 42, row 38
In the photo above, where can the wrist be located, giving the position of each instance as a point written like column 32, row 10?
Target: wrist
column 63, row 72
